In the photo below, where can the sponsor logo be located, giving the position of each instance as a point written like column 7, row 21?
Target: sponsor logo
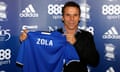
column 112, row 33
column 50, row 28
column 5, row 55
column 89, row 29
column 55, row 10
column 30, row 27
column 109, row 52
column 85, row 8
column 4, row 34
column 3, row 15
column 111, row 11
column 29, row 11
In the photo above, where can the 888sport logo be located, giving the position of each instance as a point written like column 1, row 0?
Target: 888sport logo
column 5, row 54
column 111, row 9
column 55, row 9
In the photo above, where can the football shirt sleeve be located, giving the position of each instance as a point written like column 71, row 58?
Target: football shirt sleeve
column 21, row 52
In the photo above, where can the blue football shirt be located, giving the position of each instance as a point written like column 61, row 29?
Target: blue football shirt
column 45, row 52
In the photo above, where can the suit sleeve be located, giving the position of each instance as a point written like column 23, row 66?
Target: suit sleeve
column 86, row 49
column 93, row 55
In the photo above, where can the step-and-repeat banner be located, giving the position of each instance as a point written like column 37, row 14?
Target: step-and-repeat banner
column 105, row 19
column 100, row 17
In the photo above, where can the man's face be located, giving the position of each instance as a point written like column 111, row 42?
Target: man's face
column 71, row 18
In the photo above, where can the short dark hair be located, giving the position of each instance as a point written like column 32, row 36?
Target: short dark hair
column 71, row 4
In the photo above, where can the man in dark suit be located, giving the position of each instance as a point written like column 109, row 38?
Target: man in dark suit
column 82, row 40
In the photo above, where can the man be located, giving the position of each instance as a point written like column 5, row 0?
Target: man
column 82, row 40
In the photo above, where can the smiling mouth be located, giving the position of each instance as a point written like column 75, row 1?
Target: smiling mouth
column 71, row 23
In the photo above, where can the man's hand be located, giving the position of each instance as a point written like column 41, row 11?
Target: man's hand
column 70, row 38
column 23, row 35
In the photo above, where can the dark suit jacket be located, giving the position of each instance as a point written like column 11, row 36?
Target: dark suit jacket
column 86, row 50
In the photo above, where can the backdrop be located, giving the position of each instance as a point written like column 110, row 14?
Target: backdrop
column 100, row 17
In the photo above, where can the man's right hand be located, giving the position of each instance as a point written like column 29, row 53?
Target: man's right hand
column 23, row 35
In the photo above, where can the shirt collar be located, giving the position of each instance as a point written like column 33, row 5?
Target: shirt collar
column 78, row 30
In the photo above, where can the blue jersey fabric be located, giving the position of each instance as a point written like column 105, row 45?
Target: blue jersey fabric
column 45, row 52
